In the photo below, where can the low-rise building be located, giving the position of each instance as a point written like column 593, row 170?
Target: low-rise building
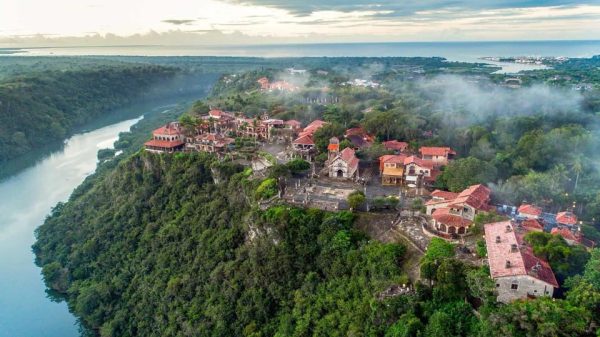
column 566, row 218
column 419, row 172
column 391, row 168
column 517, row 272
column 396, row 146
column 438, row 155
column 343, row 164
column 529, row 211
column 455, row 215
column 166, row 139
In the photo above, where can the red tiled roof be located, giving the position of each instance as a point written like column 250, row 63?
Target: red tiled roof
column 436, row 151
column 476, row 196
column 421, row 162
column 164, row 143
column 293, row 123
column 530, row 210
column 333, row 147
column 312, row 127
column 349, row 156
column 444, row 195
column 355, row 132
column 532, row 225
column 566, row 233
column 304, row 140
column 170, row 129
column 215, row 113
column 566, row 218
column 443, row 215
column 522, row 260
column 395, row 145
column 391, row 158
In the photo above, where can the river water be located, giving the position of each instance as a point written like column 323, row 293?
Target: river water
column 25, row 200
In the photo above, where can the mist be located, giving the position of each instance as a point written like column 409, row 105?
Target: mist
column 466, row 100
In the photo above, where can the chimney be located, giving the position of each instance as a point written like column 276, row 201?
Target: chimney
column 507, row 264
column 508, row 228
column 514, row 248
column 498, row 239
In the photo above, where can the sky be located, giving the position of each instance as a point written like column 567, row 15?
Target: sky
column 181, row 22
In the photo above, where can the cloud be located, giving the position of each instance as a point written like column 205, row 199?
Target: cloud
column 396, row 8
column 179, row 22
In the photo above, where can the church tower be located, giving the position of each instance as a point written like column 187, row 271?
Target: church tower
column 333, row 149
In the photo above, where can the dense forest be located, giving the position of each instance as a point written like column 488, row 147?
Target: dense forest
column 156, row 248
column 38, row 108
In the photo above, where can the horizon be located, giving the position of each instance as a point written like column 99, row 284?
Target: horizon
column 26, row 23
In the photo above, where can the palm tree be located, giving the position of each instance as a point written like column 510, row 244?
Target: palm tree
column 577, row 167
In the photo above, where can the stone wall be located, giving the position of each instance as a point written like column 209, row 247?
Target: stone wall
column 526, row 285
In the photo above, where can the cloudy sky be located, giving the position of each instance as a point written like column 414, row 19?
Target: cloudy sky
column 44, row 22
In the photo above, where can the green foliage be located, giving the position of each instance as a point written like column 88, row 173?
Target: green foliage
column 356, row 199
column 267, row 189
column 564, row 259
column 42, row 108
column 408, row 325
column 297, row 165
column 464, row 172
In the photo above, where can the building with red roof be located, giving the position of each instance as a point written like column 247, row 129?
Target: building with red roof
column 532, row 225
column 344, row 165
column 566, row 218
column 438, row 155
column 304, row 147
column 391, row 167
column 529, row 211
column 445, row 208
column 517, row 272
column 166, row 139
column 572, row 237
column 418, row 171
column 396, row 146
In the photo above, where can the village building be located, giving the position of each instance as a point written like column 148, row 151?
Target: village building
column 455, row 214
column 391, row 168
column 438, row 155
column 396, row 146
column 166, row 139
column 342, row 164
column 566, row 218
column 517, row 272
column 529, row 211
column 266, row 85
column 572, row 237
column 532, row 225
column 211, row 143
column 359, row 138
column 304, row 146
column 419, row 172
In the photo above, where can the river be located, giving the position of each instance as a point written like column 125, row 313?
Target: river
column 25, row 200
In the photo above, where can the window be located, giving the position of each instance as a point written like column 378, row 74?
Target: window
column 497, row 285
column 514, row 286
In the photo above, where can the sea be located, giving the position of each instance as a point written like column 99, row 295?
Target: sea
column 452, row 51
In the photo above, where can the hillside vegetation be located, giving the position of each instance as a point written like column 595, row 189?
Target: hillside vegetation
column 156, row 248
column 42, row 107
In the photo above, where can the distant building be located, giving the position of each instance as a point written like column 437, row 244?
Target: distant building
column 343, row 164
column 211, row 143
column 396, row 146
column 517, row 272
column 391, row 168
column 438, row 155
column 166, row 139
column 304, row 147
column 419, row 172
column 529, row 211
column 359, row 138
column 566, row 218
column 454, row 214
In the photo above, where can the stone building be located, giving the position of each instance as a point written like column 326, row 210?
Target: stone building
column 517, row 272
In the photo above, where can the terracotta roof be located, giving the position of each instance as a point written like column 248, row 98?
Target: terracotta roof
column 421, row 162
column 436, row 151
column 333, row 147
column 566, row 233
column 444, row 216
column 355, row 132
column 521, row 260
column 530, row 210
column 395, row 145
column 304, row 140
column 476, row 196
column 312, row 127
column 164, row 143
column 444, row 195
column 391, row 158
column 215, row 113
column 348, row 155
column 170, row 129
column 566, row 218
column 532, row 225
column 293, row 123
